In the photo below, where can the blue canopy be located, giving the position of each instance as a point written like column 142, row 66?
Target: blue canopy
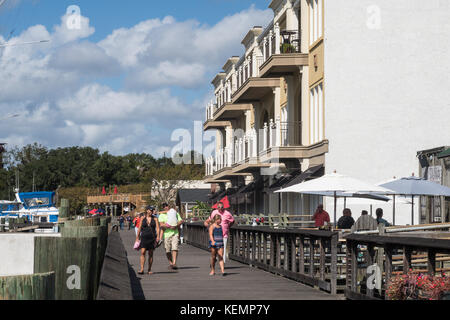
column 414, row 186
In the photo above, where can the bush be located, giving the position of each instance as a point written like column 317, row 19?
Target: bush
column 417, row 287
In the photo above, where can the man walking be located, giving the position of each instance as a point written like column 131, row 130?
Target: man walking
column 227, row 223
column 169, row 231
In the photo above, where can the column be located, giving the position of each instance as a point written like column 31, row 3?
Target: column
column 277, row 38
column 265, row 131
column 270, row 43
column 278, row 132
column 264, row 49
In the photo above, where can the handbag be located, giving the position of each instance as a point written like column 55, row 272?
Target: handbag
column 137, row 245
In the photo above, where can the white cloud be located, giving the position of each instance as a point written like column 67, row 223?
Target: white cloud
column 60, row 90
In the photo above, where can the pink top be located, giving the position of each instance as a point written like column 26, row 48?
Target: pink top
column 227, row 219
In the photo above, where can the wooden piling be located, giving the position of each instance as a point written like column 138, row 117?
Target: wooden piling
column 28, row 287
column 98, row 232
column 74, row 262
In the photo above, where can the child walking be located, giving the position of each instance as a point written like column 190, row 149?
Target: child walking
column 216, row 244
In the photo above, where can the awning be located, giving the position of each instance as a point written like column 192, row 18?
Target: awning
column 444, row 154
column 296, row 177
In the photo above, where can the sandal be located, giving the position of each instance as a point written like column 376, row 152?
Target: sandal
column 150, row 273
column 141, row 272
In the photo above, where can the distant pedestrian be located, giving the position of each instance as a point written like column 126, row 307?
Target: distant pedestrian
column 121, row 222
column 129, row 222
column 170, row 221
column 346, row 221
column 136, row 222
column 148, row 234
column 216, row 244
column 365, row 223
column 380, row 220
column 227, row 222
column 321, row 216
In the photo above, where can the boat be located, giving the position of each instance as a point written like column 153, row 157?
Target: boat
column 36, row 207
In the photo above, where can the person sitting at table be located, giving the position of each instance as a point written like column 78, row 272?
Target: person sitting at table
column 365, row 223
column 346, row 221
column 380, row 220
column 321, row 216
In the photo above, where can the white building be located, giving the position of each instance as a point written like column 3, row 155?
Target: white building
column 354, row 86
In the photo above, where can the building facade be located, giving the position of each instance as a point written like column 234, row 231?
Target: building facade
column 435, row 166
column 329, row 85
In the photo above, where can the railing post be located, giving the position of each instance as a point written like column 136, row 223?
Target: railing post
column 253, row 246
column 311, row 257
column 370, row 261
column 406, row 259
column 293, row 252
column 278, row 251
column 352, row 246
column 388, row 266
column 301, row 258
column 334, row 244
column 322, row 259
column 264, row 237
column 431, row 262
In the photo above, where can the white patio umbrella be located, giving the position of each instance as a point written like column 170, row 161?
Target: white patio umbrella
column 335, row 184
column 414, row 186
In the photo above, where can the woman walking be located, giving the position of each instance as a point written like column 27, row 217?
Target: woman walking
column 148, row 231
column 216, row 244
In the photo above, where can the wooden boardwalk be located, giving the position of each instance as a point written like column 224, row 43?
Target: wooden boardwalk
column 192, row 280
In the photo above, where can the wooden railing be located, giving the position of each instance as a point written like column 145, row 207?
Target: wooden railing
column 117, row 198
column 391, row 255
column 307, row 256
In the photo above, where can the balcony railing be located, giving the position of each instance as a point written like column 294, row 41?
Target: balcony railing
column 280, row 134
column 274, row 134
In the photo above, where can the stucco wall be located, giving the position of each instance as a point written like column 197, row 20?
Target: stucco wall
column 386, row 88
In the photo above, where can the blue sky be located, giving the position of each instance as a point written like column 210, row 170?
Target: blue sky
column 135, row 71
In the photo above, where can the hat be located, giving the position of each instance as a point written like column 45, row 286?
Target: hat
column 152, row 208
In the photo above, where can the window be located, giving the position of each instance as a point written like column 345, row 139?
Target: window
column 316, row 112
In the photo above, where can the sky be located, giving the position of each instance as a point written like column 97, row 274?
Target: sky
column 126, row 77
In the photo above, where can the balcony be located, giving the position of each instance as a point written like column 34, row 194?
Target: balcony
column 231, row 111
column 284, row 58
column 255, row 89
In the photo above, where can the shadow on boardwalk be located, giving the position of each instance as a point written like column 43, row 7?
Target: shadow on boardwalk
column 192, row 280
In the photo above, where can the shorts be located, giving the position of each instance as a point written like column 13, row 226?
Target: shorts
column 171, row 243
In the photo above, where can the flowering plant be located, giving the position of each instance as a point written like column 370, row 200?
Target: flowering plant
column 417, row 287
